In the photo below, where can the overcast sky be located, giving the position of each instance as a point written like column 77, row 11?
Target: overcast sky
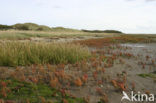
column 130, row 16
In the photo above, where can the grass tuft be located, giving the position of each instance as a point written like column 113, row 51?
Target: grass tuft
column 27, row 53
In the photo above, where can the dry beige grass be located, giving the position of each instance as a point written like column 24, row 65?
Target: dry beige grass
column 16, row 34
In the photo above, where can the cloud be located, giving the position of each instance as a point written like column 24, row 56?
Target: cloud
column 48, row 3
column 142, row 0
column 150, row 0
column 57, row 7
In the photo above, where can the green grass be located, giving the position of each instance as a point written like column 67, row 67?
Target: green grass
column 27, row 53
column 23, row 91
column 151, row 75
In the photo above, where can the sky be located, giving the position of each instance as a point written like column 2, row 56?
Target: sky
column 129, row 16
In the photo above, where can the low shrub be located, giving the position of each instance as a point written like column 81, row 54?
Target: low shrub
column 5, row 27
column 21, row 27
column 102, row 31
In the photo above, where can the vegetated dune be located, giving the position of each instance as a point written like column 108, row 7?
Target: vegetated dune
column 23, row 31
column 34, row 27
column 102, row 31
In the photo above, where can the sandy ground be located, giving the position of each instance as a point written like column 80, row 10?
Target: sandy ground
column 132, row 67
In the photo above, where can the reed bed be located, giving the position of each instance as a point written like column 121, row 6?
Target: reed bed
column 27, row 53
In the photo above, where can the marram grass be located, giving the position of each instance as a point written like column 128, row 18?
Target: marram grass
column 27, row 53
